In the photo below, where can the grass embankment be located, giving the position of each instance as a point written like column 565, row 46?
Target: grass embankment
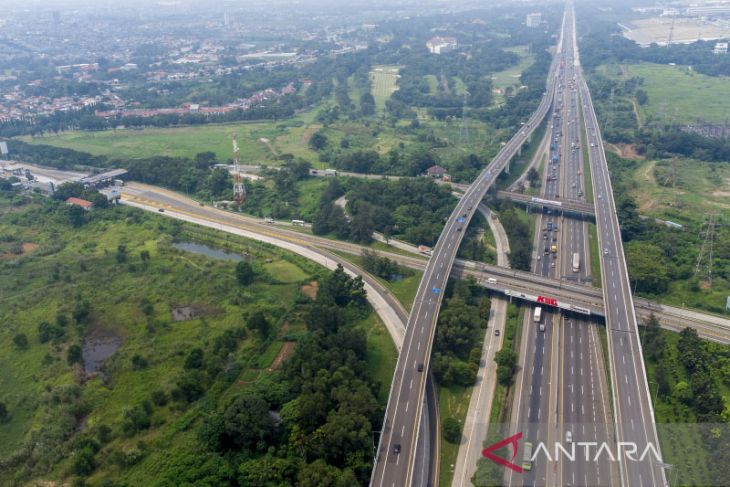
column 595, row 256
column 677, row 94
column 519, row 163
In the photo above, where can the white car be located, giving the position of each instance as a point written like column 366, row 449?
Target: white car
column 568, row 437
column 605, row 251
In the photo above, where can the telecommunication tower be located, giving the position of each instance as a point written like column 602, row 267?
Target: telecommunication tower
column 239, row 190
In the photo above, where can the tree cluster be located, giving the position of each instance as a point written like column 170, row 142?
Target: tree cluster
column 461, row 324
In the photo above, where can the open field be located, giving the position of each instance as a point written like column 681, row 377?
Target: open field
column 677, row 94
column 384, row 83
column 259, row 142
column 683, row 189
column 685, row 30
column 511, row 77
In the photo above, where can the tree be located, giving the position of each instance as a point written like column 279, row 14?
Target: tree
column 247, row 422
column 452, row 430
column 258, row 322
column 533, row 177
column 506, row 365
column 245, row 273
column 121, row 255
column 318, row 141
column 21, row 341
column 4, row 414
column 653, row 339
column 194, row 360
column 320, row 474
column 84, row 462
column 362, row 225
column 75, row 354
column 138, row 362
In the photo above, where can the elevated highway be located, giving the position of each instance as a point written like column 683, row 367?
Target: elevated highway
column 575, row 207
column 397, row 445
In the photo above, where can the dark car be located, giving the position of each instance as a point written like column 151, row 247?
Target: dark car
column 419, row 367
column 396, row 448
column 161, row 210
column 458, row 229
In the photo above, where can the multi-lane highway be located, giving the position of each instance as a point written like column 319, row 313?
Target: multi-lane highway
column 396, row 447
column 633, row 409
column 584, row 405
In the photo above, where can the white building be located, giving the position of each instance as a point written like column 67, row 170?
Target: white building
column 440, row 45
column 533, row 20
column 720, row 48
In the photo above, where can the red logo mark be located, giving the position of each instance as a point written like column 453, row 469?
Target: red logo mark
column 550, row 301
column 512, row 440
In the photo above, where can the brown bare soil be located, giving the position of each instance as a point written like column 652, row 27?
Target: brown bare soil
column 286, row 351
column 26, row 249
column 310, row 290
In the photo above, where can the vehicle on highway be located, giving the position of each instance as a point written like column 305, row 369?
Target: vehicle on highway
column 552, row 264
column 537, row 315
column 605, row 251
column 496, row 333
column 569, row 436
column 425, row 250
column 420, row 367
column 554, row 249
column 576, row 261
column 396, row 448
column 527, row 457
column 161, row 210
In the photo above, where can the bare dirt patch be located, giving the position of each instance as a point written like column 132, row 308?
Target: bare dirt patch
column 286, row 351
column 190, row 312
column 25, row 249
column 310, row 290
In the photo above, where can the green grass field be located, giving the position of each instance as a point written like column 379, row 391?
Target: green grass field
column 677, row 94
column 453, row 403
column 682, row 188
column 259, row 142
column 511, row 77
column 384, row 83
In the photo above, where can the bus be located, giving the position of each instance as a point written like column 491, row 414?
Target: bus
column 527, row 457
column 538, row 314
column 576, row 262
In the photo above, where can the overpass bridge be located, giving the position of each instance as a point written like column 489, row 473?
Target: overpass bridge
column 579, row 208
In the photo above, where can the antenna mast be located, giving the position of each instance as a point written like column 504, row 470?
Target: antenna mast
column 239, row 190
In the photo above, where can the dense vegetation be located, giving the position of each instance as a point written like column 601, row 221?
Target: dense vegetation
column 689, row 379
column 412, row 209
column 196, row 401
column 461, row 324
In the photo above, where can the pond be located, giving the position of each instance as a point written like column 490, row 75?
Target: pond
column 98, row 349
column 197, row 248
